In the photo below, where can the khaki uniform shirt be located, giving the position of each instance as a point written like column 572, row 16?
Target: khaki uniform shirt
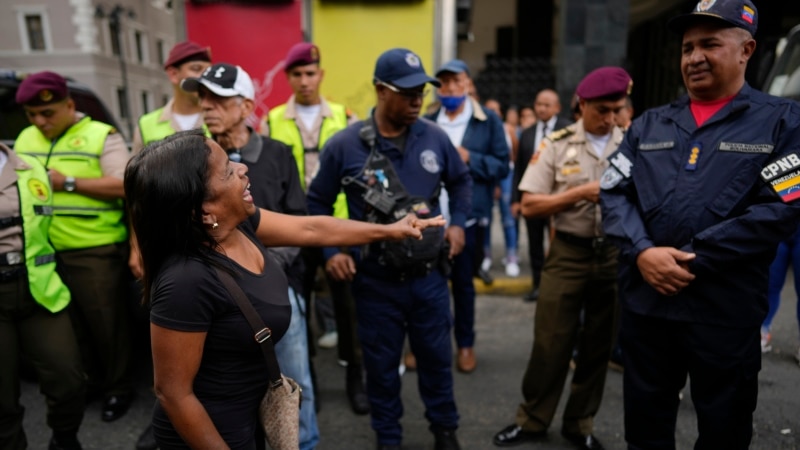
column 11, row 237
column 566, row 159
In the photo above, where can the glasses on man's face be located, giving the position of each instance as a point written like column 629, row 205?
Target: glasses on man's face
column 409, row 95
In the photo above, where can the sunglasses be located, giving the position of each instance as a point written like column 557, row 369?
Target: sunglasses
column 410, row 95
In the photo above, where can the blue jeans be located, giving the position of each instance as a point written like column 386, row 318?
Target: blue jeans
column 510, row 230
column 292, row 353
column 788, row 253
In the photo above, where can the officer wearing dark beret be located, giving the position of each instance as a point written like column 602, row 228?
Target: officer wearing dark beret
column 85, row 160
column 563, row 181
column 697, row 198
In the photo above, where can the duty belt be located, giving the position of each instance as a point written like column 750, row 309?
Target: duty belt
column 590, row 243
column 11, row 258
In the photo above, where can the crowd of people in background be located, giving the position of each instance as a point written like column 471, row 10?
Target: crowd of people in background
column 650, row 243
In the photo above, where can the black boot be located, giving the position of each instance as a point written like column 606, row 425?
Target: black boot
column 356, row 392
column 65, row 440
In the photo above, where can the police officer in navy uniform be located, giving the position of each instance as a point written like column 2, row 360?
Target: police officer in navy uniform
column 578, row 297
column 390, row 301
column 697, row 198
column 33, row 318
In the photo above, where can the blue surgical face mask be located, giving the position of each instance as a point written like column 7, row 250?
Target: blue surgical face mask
column 451, row 102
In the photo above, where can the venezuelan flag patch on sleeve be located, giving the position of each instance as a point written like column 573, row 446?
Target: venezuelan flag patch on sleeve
column 783, row 175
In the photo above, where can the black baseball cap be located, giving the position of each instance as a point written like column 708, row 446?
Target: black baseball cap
column 737, row 13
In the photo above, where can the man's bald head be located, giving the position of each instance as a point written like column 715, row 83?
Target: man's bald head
column 547, row 104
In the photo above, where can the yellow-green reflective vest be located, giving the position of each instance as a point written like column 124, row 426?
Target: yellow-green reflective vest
column 78, row 221
column 36, row 208
column 152, row 129
column 285, row 130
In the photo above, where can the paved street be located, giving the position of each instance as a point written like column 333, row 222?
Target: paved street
column 487, row 398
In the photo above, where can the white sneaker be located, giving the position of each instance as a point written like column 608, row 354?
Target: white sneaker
column 766, row 342
column 512, row 270
column 486, row 264
column 328, row 340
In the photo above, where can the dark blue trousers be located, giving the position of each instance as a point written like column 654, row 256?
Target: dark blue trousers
column 722, row 364
column 464, row 289
column 386, row 312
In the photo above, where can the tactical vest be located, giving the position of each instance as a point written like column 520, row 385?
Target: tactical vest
column 152, row 129
column 286, row 131
column 35, row 205
column 79, row 221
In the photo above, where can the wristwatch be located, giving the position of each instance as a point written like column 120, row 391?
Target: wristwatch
column 69, row 184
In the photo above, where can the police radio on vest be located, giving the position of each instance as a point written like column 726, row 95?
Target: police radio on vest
column 780, row 166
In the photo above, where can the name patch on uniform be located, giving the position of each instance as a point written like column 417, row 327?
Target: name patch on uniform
column 745, row 148
column 611, row 177
column 656, row 145
column 780, row 167
column 622, row 163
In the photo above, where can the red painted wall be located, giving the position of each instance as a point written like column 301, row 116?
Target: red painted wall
column 254, row 37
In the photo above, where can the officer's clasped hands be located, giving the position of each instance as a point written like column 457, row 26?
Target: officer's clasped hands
column 666, row 269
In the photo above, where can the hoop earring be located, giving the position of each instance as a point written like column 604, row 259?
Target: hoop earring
column 214, row 226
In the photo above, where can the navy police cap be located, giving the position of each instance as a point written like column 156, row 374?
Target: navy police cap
column 737, row 13
column 402, row 68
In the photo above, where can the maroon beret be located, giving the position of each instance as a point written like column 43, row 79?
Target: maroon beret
column 42, row 88
column 605, row 82
column 301, row 54
column 187, row 51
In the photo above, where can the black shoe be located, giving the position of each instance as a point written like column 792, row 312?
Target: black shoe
column 445, row 440
column 486, row 277
column 115, row 407
column 356, row 392
column 514, row 435
column 532, row 296
column 147, row 440
column 65, row 441
column 584, row 442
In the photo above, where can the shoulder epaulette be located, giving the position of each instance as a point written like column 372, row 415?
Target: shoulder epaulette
column 561, row 134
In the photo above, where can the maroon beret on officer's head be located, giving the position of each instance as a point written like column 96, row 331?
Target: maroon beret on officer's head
column 301, row 54
column 42, row 88
column 605, row 82
column 187, row 51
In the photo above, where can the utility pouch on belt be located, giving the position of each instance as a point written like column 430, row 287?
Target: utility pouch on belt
column 387, row 202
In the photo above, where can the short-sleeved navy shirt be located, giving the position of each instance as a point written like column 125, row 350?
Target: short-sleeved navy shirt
column 187, row 295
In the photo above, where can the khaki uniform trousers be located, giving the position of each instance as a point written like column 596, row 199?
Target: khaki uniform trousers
column 48, row 342
column 576, row 280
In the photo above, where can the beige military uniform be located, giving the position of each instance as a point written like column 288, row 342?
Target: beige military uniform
column 566, row 159
column 10, row 237
column 167, row 115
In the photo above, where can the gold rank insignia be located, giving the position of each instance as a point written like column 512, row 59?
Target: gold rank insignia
column 45, row 95
column 560, row 134
column 39, row 189
column 570, row 168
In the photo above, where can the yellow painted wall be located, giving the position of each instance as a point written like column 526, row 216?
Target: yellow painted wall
column 352, row 34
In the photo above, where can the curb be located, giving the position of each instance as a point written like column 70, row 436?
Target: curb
column 504, row 286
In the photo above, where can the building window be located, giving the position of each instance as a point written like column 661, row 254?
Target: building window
column 116, row 46
column 160, row 51
column 34, row 27
column 138, row 40
column 122, row 101
column 145, row 102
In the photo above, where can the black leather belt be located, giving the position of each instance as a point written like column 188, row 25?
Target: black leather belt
column 591, row 243
column 11, row 258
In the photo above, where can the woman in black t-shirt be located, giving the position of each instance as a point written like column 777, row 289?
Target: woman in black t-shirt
column 192, row 211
